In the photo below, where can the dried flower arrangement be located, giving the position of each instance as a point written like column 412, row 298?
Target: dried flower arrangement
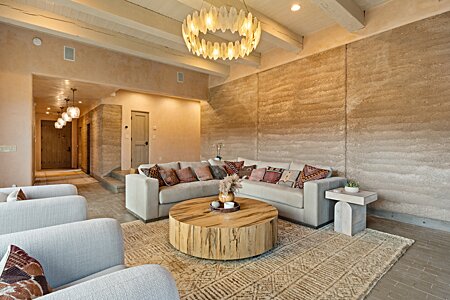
column 230, row 184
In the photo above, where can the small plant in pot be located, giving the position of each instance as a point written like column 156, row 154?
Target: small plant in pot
column 228, row 186
column 352, row 186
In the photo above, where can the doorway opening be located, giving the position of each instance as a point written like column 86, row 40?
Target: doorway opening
column 139, row 138
column 56, row 146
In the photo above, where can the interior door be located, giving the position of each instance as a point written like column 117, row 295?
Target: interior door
column 56, row 152
column 139, row 139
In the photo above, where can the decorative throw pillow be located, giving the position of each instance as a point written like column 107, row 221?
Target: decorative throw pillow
column 21, row 276
column 289, row 178
column 272, row 175
column 246, row 171
column 16, row 195
column 169, row 176
column 233, row 167
column 153, row 172
column 218, row 172
column 203, row 173
column 257, row 174
column 186, row 175
column 310, row 173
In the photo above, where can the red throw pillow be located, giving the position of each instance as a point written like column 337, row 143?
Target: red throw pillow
column 257, row 174
column 310, row 173
column 272, row 175
column 203, row 173
column 21, row 276
column 233, row 167
column 186, row 175
column 169, row 176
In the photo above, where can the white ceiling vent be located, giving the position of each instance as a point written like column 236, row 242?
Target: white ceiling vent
column 180, row 77
column 69, row 53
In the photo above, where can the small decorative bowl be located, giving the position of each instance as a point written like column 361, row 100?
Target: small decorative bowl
column 352, row 189
column 225, row 210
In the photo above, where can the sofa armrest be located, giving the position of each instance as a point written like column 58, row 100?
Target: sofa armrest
column 319, row 210
column 44, row 191
column 32, row 214
column 71, row 251
column 150, row 282
column 142, row 196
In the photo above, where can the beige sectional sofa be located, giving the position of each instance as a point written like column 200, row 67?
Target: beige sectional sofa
column 147, row 201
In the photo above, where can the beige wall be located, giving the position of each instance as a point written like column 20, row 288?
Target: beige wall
column 177, row 122
column 377, row 110
column 19, row 59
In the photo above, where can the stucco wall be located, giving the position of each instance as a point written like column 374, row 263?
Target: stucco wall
column 19, row 59
column 377, row 110
column 174, row 126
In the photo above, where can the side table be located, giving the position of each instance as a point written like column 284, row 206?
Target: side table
column 351, row 210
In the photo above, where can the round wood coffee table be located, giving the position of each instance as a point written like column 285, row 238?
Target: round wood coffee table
column 197, row 231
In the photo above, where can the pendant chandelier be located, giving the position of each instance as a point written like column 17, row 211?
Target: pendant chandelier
column 60, row 123
column 248, row 27
column 73, row 111
column 65, row 116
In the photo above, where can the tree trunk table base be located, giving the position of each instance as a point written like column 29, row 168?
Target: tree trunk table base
column 197, row 231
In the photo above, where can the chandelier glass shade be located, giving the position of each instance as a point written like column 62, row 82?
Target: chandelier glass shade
column 248, row 28
column 73, row 111
column 61, row 122
column 58, row 126
column 65, row 116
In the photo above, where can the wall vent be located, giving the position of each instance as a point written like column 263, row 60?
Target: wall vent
column 69, row 53
column 180, row 77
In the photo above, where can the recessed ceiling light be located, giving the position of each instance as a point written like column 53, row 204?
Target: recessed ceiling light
column 80, row 102
column 48, row 108
column 47, row 113
column 295, row 7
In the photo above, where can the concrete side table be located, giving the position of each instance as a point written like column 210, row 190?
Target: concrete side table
column 351, row 210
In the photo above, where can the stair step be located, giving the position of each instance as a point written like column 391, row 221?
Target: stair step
column 120, row 174
column 112, row 184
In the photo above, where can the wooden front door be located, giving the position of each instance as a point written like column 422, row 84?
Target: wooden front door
column 139, row 139
column 56, row 152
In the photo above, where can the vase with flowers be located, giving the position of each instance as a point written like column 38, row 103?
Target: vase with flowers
column 228, row 186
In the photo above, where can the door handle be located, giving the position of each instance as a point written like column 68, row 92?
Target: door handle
column 146, row 143
column 68, row 149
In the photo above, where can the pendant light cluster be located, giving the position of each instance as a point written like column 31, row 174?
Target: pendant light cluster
column 72, row 112
column 248, row 27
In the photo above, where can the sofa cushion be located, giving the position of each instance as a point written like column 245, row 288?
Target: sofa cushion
column 257, row 174
column 233, row 167
column 248, row 162
column 193, row 164
column 218, row 172
column 169, row 176
column 266, row 164
column 272, row 175
column 204, row 173
column 185, row 191
column 310, row 173
column 273, row 192
column 170, row 165
column 289, row 178
column 186, row 175
column 246, row 171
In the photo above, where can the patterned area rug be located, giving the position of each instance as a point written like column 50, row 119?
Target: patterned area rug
column 305, row 264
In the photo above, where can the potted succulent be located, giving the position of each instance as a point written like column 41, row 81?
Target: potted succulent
column 228, row 186
column 352, row 186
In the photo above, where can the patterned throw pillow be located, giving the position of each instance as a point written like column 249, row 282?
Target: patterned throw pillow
column 289, row 178
column 310, row 173
column 246, row 171
column 186, row 175
column 273, row 175
column 218, row 172
column 169, row 176
column 16, row 195
column 233, row 167
column 203, row 173
column 257, row 174
column 21, row 276
column 153, row 172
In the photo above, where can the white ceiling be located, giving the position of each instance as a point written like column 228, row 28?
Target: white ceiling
column 111, row 17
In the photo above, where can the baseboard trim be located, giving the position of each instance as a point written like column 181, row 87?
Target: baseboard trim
column 410, row 219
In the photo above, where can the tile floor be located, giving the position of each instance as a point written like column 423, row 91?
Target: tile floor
column 422, row 273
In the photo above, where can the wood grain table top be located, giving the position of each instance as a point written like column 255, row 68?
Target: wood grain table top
column 197, row 212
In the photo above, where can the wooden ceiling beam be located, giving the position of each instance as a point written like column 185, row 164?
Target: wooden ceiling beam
column 143, row 19
column 272, row 31
column 33, row 18
column 345, row 12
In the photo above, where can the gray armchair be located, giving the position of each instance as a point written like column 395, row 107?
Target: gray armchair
column 48, row 205
column 85, row 260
